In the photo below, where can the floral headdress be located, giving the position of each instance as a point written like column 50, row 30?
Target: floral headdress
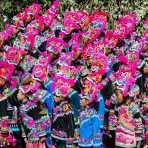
column 14, row 55
column 6, row 70
column 125, row 25
column 35, row 9
column 28, row 63
column 110, row 39
column 99, row 20
column 83, row 18
column 45, row 58
column 70, row 21
column 40, row 72
column 55, row 45
column 62, row 85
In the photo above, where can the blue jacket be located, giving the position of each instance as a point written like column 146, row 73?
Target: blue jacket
column 48, row 99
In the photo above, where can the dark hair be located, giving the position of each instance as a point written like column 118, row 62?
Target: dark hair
column 42, row 47
column 128, row 98
column 57, row 32
column 120, row 43
column 13, row 99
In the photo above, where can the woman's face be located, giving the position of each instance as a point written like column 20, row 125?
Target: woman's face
column 2, row 81
column 119, row 95
column 128, row 101
column 86, row 86
column 20, row 96
column 145, row 106
column 145, row 69
column 22, row 39
column 28, row 19
column 90, row 60
column 146, row 85
column 1, row 41
column 107, row 51
column 83, row 102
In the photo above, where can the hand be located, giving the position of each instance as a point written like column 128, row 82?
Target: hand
column 25, row 139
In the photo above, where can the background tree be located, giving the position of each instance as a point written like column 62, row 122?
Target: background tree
column 115, row 8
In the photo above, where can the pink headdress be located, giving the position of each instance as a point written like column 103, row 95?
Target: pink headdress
column 86, row 51
column 123, row 59
column 25, row 14
column 32, row 28
column 83, row 18
column 14, row 55
column 133, row 60
column 92, row 49
column 110, row 39
column 124, row 78
column 128, row 22
column 133, row 55
column 55, row 45
column 120, row 32
column 70, row 21
column 69, row 71
column 75, row 20
column 129, row 18
column 35, row 9
column 28, row 62
column 10, row 30
column 19, row 15
column 47, row 20
column 18, row 21
column 64, row 59
column 6, row 70
column 45, row 58
column 100, row 63
column 129, row 82
column 5, row 35
column 77, row 42
column 40, row 21
column 32, row 87
column 25, row 88
column 40, row 72
column 31, row 39
column 56, row 3
column 53, row 10
column 145, row 23
column 96, row 72
column 62, row 85
column 99, row 20
column 90, row 35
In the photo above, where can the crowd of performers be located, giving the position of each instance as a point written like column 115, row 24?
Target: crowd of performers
column 71, row 82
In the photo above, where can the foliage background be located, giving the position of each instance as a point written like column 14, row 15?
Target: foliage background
column 115, row 8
